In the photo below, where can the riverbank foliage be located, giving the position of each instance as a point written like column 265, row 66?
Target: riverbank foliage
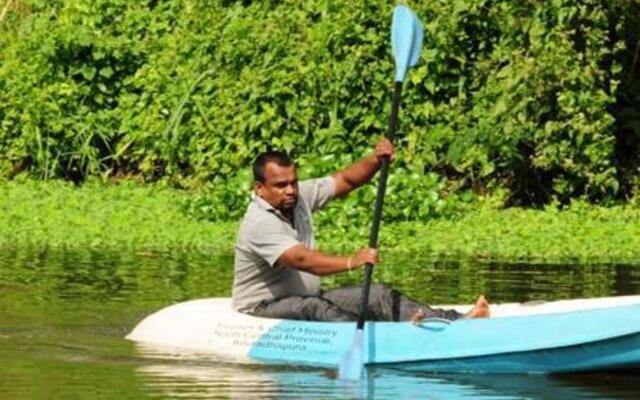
column 535, row 101
column 128, row 216
column 152, row 219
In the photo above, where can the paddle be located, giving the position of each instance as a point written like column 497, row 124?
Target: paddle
column 406, row 41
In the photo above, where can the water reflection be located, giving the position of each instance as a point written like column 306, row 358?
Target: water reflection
column 242, row 382
column 218, row 379
column 158, row 279
column 152, row 278
column 63, row 316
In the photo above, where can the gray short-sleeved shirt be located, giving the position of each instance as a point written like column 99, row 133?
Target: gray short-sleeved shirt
column 264, row 235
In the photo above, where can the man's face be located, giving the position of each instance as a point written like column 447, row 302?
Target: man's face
column 280, row 186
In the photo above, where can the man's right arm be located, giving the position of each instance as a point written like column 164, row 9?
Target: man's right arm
column 361, row 172
column 319, row 263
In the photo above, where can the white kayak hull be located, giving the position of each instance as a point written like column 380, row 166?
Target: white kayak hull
column 550, row 337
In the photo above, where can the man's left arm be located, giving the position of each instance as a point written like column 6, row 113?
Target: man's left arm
column 361, row 172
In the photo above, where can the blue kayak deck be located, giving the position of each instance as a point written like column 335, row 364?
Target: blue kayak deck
column 572, row 341
column 562, row 336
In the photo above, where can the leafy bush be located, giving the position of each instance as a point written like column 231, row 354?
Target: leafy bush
column 508, row 95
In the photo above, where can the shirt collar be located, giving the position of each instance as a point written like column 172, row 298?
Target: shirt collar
column 263, row 204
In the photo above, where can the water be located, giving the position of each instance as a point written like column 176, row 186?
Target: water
column 63, row 316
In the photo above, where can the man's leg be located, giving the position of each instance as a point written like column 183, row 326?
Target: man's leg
column 386, row 304
column 307, row 308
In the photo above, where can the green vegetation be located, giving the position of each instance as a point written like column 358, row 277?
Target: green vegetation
column 152, row 219
column 57, row 214
column 513, row 104
column 537, row 101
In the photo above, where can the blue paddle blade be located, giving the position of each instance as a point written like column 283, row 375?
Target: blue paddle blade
column 406, row 40
column 416, row 47
column 351, row 365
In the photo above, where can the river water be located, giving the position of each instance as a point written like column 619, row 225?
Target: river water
column 64, row 315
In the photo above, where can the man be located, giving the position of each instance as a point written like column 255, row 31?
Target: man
column 277, row 269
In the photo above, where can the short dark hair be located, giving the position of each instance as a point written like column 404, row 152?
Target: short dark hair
column 281, row 158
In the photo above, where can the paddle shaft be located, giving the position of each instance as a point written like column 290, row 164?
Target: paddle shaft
column 377, row 213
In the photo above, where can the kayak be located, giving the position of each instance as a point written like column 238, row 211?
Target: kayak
column 534, row 337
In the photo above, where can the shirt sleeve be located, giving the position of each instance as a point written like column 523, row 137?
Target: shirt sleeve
column 268, row 241
column 318, row 192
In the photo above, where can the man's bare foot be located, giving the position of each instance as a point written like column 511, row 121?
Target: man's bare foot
column 417, row 318
column 480, row 309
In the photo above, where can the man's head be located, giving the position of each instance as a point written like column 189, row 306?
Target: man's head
column 275, row 179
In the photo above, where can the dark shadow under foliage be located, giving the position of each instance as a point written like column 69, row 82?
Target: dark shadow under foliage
column 626, row 110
